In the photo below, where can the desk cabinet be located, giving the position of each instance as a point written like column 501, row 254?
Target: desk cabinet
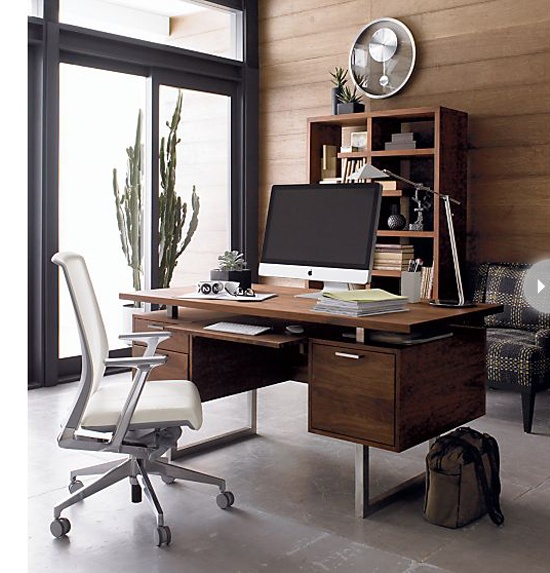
column 352, row 392
column 395, row 397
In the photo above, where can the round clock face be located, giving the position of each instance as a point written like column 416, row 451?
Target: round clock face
column 382, row 58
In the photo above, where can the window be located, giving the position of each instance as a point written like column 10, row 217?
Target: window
column 83, row 123
column 208, row 29
column 203, row 163
column 98, row 118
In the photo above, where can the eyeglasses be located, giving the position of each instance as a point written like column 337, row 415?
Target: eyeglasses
column 236, row 290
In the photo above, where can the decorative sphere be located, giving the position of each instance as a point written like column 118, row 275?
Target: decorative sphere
column 396, row 222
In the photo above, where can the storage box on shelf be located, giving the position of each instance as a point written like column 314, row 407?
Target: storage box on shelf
column 433, row 152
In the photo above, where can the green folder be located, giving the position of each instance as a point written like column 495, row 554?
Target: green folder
column 363, row 295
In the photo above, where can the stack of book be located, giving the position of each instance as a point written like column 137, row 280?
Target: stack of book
column 426, row 282
column 391, row 184
column 401, row 141
column 360, row 302
column 391, row 257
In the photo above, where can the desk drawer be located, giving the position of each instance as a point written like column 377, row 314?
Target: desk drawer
column 175, row 368
column 352, row 393
column 179, row 341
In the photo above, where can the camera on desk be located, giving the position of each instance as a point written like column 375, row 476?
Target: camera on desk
column 210, row 287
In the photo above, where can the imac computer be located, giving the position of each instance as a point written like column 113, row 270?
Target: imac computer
column 322, row 233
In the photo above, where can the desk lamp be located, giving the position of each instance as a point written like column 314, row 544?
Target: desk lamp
column 369, row 171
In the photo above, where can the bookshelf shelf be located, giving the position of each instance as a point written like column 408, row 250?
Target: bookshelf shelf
column 409, row 234
column 437, row 158
column 403, row 153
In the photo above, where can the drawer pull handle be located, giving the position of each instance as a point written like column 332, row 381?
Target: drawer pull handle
column 155, row 326
column 347, row 355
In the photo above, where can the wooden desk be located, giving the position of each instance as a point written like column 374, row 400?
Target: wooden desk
column 389, row 396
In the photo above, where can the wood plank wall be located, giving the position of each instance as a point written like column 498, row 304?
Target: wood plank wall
column 489, row 58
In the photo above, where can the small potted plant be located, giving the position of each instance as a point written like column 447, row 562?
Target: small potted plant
column 339, row 76
column 232, row 267
column 350, row 101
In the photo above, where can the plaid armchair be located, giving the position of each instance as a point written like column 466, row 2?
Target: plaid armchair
column 518, row 339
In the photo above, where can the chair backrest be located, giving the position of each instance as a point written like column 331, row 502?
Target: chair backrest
column 502, row 283
column 93, row 338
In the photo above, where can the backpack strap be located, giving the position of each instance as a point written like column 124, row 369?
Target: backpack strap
column 490, row 494
column 491, row 447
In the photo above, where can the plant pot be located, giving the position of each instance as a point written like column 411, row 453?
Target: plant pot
column 352, row 107
column 128, row 311
column 244, row 277
column 335, row 92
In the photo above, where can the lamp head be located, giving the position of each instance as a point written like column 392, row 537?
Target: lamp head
column 369, row 171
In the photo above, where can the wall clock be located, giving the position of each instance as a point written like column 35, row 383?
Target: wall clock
column 382, row 58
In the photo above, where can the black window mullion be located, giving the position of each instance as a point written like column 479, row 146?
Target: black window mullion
column 50, row 202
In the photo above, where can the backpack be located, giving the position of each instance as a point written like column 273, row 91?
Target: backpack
column 462, row 479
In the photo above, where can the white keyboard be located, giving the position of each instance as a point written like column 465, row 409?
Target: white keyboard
column 237, row 328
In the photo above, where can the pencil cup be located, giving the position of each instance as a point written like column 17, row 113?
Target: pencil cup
column 410, row 285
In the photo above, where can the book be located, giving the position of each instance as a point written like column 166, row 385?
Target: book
column 391, row 185
column 361, row 302
column 426, row 282
column 394, row 246
column 392, row 253
column 328, row 161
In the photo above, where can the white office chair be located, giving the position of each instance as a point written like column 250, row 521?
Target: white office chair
column 138, row 418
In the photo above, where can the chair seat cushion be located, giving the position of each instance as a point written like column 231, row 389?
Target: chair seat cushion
column 513, row 358
column 162, row 404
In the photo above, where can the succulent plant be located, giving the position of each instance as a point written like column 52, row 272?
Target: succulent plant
column 339, row 77
column 129, row 210
column 172, row 210
column 231, row 261
column 348, row 95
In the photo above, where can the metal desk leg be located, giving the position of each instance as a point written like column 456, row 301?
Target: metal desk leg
column 364, row 505
column 227, row 437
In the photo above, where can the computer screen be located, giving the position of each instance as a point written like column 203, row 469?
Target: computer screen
column 321, row 232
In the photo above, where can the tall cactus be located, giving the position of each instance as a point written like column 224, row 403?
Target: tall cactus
column 172, row 211
column 128, row 207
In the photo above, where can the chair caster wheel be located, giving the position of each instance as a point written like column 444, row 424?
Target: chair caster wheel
column 60, row 526
column 168, row 479
column 225, row 499
column 163, row 536
column 75, row 485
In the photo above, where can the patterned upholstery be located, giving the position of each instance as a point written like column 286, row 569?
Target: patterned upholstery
column 518, row 339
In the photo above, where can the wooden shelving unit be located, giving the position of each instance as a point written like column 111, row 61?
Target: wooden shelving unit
column 439, row 161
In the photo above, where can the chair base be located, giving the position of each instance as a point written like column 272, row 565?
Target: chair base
column 138, row 471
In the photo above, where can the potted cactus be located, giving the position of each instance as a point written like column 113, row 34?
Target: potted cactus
column 172, row 210
column 232, row 267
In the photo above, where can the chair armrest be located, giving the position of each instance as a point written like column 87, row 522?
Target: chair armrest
column 153, row 339
column 136, row 361
column 144, row 365
column 542, row 339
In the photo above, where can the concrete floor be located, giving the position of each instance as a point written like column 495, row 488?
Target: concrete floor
column 294, row 501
